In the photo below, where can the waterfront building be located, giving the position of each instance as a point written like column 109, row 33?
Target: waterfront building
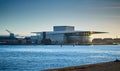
column 116, row 40
column 64, row 35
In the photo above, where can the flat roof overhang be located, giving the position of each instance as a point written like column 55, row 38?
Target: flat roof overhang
column 71, row 32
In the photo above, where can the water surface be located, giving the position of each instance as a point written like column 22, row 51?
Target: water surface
column 36, row 58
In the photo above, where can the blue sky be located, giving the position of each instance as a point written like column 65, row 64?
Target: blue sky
column 25, row 16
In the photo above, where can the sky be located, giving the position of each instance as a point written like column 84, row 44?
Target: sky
column 26, row 16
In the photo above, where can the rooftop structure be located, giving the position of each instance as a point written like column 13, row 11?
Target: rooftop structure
column 63, row 28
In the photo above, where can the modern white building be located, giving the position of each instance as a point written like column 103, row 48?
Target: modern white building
column 65, row 35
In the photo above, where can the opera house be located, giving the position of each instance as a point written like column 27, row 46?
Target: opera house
column 64, row 35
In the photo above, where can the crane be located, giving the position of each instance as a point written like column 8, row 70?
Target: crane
column 8, row 31
column 14, row 35
column 11, row 34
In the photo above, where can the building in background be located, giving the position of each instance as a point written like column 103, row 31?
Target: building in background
column 13, row 39
column 106, row 41
column 59, row 36
column 64, row 35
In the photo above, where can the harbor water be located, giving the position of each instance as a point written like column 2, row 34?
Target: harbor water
column 42, row 57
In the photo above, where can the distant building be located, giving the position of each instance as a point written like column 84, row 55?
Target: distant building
column 65, row 35
column 97, row 41
column 116, row 40
column 7, row 39
column 106, row 41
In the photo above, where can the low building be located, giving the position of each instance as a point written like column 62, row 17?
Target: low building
column 97, row 41
column 116, row 40
column 108, row 40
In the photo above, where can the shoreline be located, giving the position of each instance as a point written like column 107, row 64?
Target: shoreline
column 104, row 66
